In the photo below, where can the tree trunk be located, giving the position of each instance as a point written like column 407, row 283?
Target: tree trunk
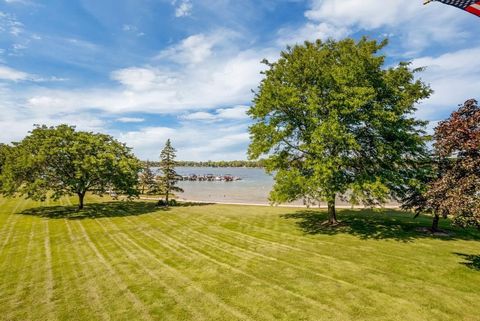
column 436, row 219
column 166, row 199
column 332, row 213
column 81, row 196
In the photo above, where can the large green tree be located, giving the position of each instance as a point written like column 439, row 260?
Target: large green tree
column 169, row 178
column 334, row 121
column 61, row 161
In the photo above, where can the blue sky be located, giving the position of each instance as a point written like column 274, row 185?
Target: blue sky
column 147, row 70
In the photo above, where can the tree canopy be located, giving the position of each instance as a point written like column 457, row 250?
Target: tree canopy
column 60, row 161
column 147, row 180
column 415, row 198
column 333, row 121
column 4, row 149
column 456, row 191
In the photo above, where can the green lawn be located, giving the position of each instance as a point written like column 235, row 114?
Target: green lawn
column 131, row 261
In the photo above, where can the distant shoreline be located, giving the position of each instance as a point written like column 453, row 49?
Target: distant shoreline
column 213, row 164
column 201, row 166
column 269, row 205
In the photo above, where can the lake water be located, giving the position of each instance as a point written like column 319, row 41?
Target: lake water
column 254, row 186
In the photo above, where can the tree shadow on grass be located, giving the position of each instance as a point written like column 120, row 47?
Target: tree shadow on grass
column 102, row 209
column 471, row 261
column 368, row 224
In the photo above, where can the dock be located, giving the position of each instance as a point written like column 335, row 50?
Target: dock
column 210, row 178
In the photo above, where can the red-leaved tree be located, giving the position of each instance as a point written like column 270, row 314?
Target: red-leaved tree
column 456, row 191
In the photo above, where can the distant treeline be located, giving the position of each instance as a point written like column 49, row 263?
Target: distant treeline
column 237, row 163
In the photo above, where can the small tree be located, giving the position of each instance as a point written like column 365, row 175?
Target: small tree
column 148, row 183
column 60, row 161
column 334, row 122
column 168, row 181
column 456, row 191
column 415, row 192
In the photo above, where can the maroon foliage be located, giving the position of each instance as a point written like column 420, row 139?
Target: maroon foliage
column 457, row 190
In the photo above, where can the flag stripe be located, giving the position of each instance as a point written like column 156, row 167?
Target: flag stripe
column 462, row 4
column 475, row 9
column 472, row 6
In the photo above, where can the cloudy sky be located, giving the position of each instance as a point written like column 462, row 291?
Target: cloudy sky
column 147, row 70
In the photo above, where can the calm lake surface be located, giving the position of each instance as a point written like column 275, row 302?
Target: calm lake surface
column 253, row 188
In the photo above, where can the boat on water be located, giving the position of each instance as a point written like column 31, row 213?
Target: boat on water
column 210, row 178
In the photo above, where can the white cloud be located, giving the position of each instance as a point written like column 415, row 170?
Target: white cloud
column 417, row 26
column 226, row 80
column 80, row 44
column 25, row 2
column 130, row 120
column 310, row 31
column 132, row 29
column 141, row 79
column 454, row 78
column 10, row 74
column 49, row 105
column 183, row 9
column 7, row 73
column 128, row 28
column 9, row 24
column 367, row 14
column 191, row 50
column 19, row 118
column 234, row 113
column 197, row 48
column 193, row 142
column 200, row 115
column 237, row 112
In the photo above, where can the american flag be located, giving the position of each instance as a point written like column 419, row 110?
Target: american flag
column 472, row 6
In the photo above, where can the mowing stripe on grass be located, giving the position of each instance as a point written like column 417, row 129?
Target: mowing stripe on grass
column 10, row 224
column 10, row 239
column 214, row 243
column 374, row 252
column 12, row 270
column 305, row 239
column 49, row 284
column 230, row 267
column 22, row 284
column 88, row 287
column 124, row 243
column 255, row 239
column 77, row 301
column 180, row 263
column 268, row 232
column 214, row 299
column 137, row 303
